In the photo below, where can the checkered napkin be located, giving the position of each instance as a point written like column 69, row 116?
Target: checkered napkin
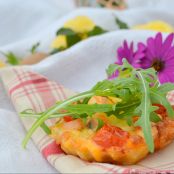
column 29, row 90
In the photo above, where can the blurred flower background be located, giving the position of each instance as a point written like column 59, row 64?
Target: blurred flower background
column 79, row 28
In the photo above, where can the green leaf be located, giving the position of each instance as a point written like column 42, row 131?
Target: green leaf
column 51, row 111
column 45, row 128
column 100, row 124
column 31, row 114
column 165, row 88
column 96, row 31
column 72, row 39
column 154, row 117
column 34, row 47
column 153, row 108
column 103, row 88
column 12, row 58
column 121, row 24
column 125, row 70
column 85, row 101
column 125, row 110
column 103, row 85
column 112, row 68
column 65, row 31
column 56, row 50
column 158, row 97
column 137, row 95
column 89, row 109
column 145, row 106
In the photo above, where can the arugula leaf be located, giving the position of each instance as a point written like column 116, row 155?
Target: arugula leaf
column 51, row 111
column 158, row 97
column 30, row 113
column 165, row 88
column 100, row 124
column 125, row 70
column 96, row 31
column 102, row 85
column 154, row 117
column 112, row 68
column 144, row 120
column 89, row 109
column 45, row 128
column 121, row 24
column 136, row 92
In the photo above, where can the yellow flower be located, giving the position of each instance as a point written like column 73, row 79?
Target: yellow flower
column 156, row 26
column 2, row 64
column 59, row 42
column 80, row 24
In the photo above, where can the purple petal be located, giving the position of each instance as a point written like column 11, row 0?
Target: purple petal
column 141, row 47
column 125, row 45
column 125, row 52
column 158, row 44
column 166, row 76
column 131, row 47
column 120, row 55
column 162, row 78
column 114, row 75
column 149, row 55
column 169, row 63
column 169, row 54
column 167, row 44
column 138, row 56
column 151, row 48
column 145, row 63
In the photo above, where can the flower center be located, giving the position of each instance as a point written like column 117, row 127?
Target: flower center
column 158, row 65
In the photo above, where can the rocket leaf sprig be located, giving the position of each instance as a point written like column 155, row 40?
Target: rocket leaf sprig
column 137, row 89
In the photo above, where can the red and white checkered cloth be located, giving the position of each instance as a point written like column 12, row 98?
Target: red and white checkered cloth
column 29, row 90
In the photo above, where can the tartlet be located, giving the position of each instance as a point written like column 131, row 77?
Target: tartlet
column 115, row 142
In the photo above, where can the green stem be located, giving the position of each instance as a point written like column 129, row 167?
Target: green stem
column 45, row 128
column 156, row 84
column 52, row 110
column 39, row 115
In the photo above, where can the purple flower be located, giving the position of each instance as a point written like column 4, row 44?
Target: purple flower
column 127, row 52
column 133, row 57
column 160, row 56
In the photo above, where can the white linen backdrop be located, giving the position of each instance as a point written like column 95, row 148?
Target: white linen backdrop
column 80, row 67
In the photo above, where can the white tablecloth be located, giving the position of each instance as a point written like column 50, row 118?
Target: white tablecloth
column 24, row 23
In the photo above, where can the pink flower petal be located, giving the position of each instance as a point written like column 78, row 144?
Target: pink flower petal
column 167, row 44
column 151, row 47
column 166, row 76
column 158, row 44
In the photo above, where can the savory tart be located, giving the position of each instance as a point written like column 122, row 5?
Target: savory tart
column 116, row 141
column 117, row 121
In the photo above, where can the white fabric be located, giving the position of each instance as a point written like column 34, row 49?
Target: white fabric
column 78, row 68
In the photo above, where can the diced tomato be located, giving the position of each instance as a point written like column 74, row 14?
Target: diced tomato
column 109, row 136
column 67, row 118
column 161, row 111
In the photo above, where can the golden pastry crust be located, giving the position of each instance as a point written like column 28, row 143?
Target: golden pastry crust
column 81, row 142
column 115, row 142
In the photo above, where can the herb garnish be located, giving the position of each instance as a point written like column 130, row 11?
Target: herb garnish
column 138, row 90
